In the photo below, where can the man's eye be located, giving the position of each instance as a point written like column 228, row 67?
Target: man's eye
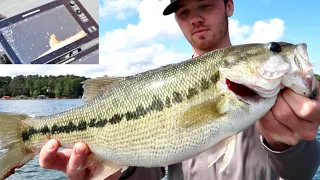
column 205, row 6
column 184, row 12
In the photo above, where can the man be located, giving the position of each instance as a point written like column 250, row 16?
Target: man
column 282, row 144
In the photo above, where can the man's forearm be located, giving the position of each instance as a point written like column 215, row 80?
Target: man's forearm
column 298, row 162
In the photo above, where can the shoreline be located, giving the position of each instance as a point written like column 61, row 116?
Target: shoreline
column 39, row 98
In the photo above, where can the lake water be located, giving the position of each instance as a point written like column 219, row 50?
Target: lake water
column 31, row 170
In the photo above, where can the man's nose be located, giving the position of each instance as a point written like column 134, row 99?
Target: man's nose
column 196, row 19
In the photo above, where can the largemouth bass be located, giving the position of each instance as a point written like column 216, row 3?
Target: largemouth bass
column 169, row 114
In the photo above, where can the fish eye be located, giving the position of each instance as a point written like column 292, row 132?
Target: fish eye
column 274, row 47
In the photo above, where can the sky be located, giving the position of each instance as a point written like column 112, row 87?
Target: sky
column 135, row 36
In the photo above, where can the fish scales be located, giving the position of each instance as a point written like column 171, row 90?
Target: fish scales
column 169, row 114
column 136, row 130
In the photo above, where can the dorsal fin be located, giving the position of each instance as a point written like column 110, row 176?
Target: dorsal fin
column 93, row 87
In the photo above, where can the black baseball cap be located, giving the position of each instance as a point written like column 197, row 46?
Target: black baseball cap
column 171, row 8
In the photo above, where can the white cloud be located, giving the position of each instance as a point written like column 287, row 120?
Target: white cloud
column 238, row 32
column 132, row 61
column 121, row 9
column 14, row 70
column 152, row 26
column 123, row 51
column 260, row 32
column 267, row 31
column 138, row 47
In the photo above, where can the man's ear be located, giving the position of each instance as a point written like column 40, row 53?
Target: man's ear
column 230, row 8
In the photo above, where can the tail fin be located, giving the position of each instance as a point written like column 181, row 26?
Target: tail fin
column 11, row 139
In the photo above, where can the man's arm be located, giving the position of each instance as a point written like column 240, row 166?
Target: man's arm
column 288, row 134
column 300, row 161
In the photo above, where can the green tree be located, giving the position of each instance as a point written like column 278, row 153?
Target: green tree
column 58, row 90
column 4, row 86
column 17, row 86
column 66, row 89
column 37, row 86
column 34, row 85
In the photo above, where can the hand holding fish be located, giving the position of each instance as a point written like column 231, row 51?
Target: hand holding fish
column 68, row 160
column 292, row 118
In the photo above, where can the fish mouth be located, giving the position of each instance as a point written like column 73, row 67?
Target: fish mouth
column 242, row 92
column 250, row 93
column 301, row 79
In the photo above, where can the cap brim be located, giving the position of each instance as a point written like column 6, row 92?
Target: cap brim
column 171, row 8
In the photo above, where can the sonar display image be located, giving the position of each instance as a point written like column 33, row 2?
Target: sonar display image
column 49, row 34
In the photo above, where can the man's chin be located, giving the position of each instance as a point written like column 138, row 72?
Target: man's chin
column 203, row 45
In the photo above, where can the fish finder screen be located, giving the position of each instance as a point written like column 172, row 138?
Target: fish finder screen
column 41, row 34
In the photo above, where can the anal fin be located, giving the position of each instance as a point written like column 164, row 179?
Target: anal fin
column 224, row 148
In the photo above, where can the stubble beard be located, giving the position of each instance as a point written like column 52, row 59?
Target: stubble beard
column 209, row 43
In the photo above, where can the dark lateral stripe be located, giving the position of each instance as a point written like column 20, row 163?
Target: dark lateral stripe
column 192, row 92
column 55, row 129
column 156, row 105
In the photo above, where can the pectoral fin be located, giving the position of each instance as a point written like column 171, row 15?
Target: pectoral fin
column 207, row 111
column 224, row 148
column 101, row 169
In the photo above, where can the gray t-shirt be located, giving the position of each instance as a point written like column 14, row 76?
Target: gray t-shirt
column 252, row 160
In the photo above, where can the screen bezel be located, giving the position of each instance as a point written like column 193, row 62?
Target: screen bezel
column 85, row 53
column 47, row 58
column 78, row 56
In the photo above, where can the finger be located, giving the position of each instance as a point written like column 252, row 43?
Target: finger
column 303, row 107
column 51, row 159
column 274, row 131
column 303, row 129
column 79, row 154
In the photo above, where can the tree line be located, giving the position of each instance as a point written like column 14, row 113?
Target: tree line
column 33, row 85
column 51, row 86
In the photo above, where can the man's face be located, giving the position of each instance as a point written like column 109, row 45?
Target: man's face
column 204, row 22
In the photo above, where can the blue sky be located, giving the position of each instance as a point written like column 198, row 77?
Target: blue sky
column 135, row 37
column 300, row 22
